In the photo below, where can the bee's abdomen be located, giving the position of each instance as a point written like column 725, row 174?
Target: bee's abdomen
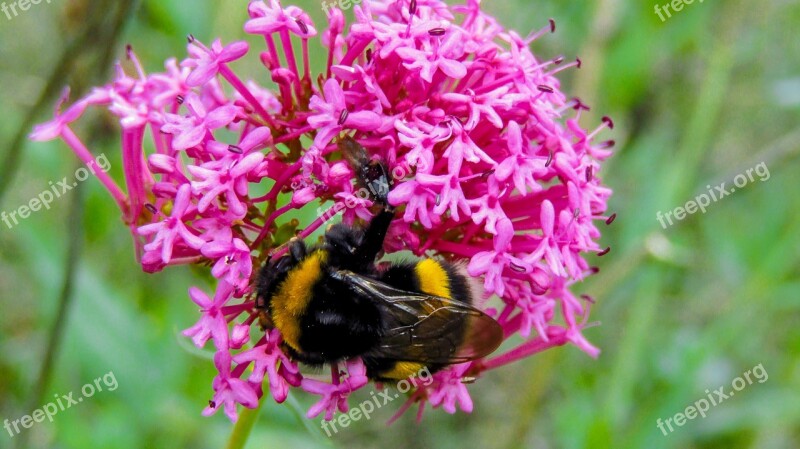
column 428, row 276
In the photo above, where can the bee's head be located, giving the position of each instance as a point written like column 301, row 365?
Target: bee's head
column 274, row 272
column 265, row 320
column 269, row 277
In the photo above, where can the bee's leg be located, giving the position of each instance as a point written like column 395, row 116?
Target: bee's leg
column 375, row 177
column 356, row 249
column 372, row 243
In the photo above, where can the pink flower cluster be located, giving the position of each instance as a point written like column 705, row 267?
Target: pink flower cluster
column 500, row 174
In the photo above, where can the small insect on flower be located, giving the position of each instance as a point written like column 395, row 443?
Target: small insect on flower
column 332, row 302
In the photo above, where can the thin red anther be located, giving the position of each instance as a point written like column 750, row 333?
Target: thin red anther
column 579, row 105
column 517, row 268
column 302, row 25
column 607, row 144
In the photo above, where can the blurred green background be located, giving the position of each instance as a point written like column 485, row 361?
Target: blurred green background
column 697, row 99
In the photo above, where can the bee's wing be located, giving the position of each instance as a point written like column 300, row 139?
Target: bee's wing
column 426, row 328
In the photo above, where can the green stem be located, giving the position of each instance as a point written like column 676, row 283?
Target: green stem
column 64, row 301
column 243, row 427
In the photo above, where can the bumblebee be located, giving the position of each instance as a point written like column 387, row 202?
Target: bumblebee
column 332, row 301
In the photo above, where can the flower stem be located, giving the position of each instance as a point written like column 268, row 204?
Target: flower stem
column 86, row 156
column 245, row 92
column 243, row 427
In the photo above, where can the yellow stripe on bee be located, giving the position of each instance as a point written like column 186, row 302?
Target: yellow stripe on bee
column 402, row 370
column 292, row 298
column 433, row 278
